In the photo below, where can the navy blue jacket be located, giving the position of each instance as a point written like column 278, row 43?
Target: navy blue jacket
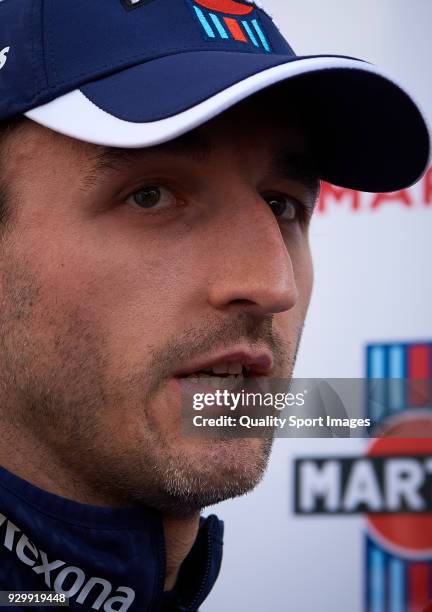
column 104, row 559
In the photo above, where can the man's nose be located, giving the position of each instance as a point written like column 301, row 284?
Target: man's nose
column 252, row 268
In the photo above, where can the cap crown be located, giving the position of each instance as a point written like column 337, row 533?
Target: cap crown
column 55, row 46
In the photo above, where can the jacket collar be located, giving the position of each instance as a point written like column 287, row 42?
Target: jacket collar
column 113, row 558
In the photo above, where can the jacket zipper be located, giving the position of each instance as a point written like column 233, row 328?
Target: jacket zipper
column 192, row 606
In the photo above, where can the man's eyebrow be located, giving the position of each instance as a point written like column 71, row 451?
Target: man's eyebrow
column 192, row 146
column 300, row 168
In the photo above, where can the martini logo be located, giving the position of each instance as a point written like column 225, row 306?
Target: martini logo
column 376, row 484
column 229, row 20
column 391, row 485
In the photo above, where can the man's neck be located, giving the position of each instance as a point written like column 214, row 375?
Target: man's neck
column 180, row 534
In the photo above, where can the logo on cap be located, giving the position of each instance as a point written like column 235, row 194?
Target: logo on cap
column 131, row 4
column 229, row 20
column 3, row 57
column 227, row 6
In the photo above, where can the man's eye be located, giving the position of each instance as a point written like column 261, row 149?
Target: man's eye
column 152, row 197
column 284, row 207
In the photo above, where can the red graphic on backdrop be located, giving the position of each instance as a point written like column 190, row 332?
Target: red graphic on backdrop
column 409, row 533
column 226, row 6
column 357, row 201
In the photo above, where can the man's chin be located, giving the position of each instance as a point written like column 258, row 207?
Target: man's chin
column 211, row 471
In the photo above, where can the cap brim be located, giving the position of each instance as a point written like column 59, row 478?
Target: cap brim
column 369, row 134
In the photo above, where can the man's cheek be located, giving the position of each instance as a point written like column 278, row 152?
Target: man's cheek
column 165, row 410
column 304, row 278
column 134, row 331
column 141, row 417
column 143, row 312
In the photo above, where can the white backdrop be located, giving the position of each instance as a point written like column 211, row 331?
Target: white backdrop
column 373, row 284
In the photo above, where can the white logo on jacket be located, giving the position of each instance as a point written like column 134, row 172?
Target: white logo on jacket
column 92, row 591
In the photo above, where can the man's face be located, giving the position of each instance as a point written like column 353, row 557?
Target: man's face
column 123, row 270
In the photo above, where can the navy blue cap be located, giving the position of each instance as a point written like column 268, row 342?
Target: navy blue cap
column 136, row 73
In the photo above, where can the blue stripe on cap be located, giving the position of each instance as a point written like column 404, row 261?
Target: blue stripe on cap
column 205, row 24
column 219, row 27
column 261, row 35
column 250, row 33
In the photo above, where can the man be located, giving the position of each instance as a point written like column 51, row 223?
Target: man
column 156, row 197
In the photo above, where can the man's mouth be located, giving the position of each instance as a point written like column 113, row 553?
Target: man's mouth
column 228, row 369
column 221, row 375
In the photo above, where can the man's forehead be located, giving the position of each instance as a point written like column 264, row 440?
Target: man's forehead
column 270, row 133
column 202, row 144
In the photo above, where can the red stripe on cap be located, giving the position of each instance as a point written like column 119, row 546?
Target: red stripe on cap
column 419, row 368
column 235, row 29
column 226, row 6
column 418, row 591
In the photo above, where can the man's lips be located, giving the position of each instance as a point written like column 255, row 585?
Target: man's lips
column 256, row 363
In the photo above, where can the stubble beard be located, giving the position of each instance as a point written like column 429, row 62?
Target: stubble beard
column 56, row 393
